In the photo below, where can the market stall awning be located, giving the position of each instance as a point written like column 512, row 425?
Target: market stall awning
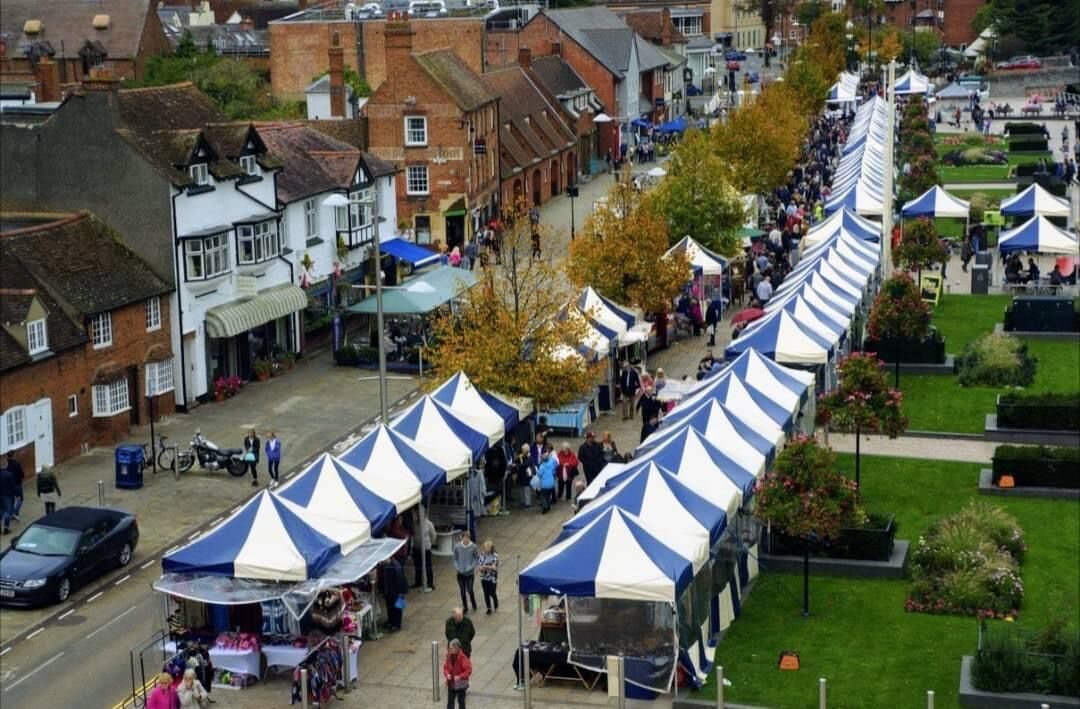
column 407, row 251
column 1039, row 235
column 746, row 445
column 459, row 394
column 1035, row 200
column 384, row 455
column 711, row 264
column 936, row 202
column 232, row 319
column 422, row 294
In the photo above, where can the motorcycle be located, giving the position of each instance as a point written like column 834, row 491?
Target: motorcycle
column 210, row 457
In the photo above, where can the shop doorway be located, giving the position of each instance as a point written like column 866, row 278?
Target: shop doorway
column 455, row 231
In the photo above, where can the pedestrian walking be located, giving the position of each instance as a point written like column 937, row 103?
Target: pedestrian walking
column 713, row 315
column 608, row 450
column 489, row 575
column 457, row 669
column 163, row 695
column 48, row 490
column 629, row 384
column 460, row 629
column 455, row 257
column 470, row 255
column 591, row 456
column 466, row 556
column 547, row 474
column 273, row 457
column 568, row 470
column 7, row 495
column 19, row 474
column 650, row 406
column 251, row 455
column 393, row 586
column 524, row 470
column 190, row 693
column 421, row 552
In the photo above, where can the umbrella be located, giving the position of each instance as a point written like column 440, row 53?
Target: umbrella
column 747, row 315
column 657, row 172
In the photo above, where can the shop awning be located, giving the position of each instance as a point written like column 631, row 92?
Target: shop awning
column 421, row 294
column 232, row 319
column 408, row 252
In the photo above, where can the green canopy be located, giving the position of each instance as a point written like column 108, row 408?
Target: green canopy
column 421, row 294
column 745, row 232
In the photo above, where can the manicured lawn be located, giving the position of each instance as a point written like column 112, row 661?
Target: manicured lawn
column 1029, row 158
column 939, row 403
column 994, row 195
column 858, row 635
column 973, row 173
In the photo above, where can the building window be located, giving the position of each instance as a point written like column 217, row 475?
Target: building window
column 207, row 257
column 415, row 130
column 73, row 406
column 248, row 165
column 101, row 330
column 689, row 26
column 341, row 218
column 153, row 314
column 416, row 179
column 159, row 377
column 14, row 428
column 311, row 218
column 111, row 399
column 199, row 174
column 36, row 337
column 257, row 242
column 423, row 229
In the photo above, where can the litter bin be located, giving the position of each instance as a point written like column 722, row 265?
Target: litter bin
column 980, row 279
column 129, row 467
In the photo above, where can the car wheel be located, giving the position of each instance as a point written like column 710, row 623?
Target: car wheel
column 125, row 554
column 63, row 590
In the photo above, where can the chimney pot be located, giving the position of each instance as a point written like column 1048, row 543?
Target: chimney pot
column 665, row 27
column 48, row 76
column 337, row 77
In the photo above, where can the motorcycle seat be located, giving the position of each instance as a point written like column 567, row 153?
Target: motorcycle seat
column 231, row 451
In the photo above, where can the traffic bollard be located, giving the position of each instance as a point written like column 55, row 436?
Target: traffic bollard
column 622, row 682
column 436, row 677
column 101, row 493
column 929, row 699
column 719, row 687
column 304, row 689
column 821, row 693
column 527, row 675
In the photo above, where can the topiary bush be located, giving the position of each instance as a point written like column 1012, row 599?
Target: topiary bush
column 996, row 360
column 1049, row 411
column 1012, row 659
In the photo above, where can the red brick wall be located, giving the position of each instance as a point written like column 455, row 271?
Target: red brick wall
column 956, row 29
column 73, row 371
column 464, row 35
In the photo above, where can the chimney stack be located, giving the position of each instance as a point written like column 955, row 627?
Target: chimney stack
column 48, row 77
column 337, row 77
column 665, row 27
column 524, row 57
column 100, row 80
column 398, row 41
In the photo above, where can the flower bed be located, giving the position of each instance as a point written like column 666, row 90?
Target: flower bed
column 1038, row 466
column 971, row 140
column 872, row 541
column 969, row 564
column 996, row 360
column 1042, row 411
column 1012, row 659
column 975, row 156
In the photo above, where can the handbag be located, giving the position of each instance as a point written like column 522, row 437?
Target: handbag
column 249, row 457
column 459, row 685
column 534, row 482
column 400, row 602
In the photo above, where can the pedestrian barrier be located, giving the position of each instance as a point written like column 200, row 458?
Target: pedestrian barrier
column 435, row 683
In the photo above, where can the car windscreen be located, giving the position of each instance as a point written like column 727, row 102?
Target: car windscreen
column 48, row 541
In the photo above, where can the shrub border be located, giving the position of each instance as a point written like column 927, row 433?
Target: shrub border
column 978, row 699
column 987, row 487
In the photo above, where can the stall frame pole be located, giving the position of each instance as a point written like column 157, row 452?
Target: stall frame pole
column 719, row 687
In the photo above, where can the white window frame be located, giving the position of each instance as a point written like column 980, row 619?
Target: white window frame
column 200, row 174
column 37, row 336
column 111, row 399
column 410, row 171
column 341, row 218
column 101, row 332
column 416, row 136
column 213, row 250
column 261, row 239
column 249, row 164
column 159, row 377
column 73, row 406
column 311, row 218
column 15, row 429
column 153, row 314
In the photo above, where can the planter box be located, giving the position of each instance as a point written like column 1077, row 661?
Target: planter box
column 987, row 487
column 928, row 351
column 860, row 544
column 1072, row 336
column 1038, row 413
column 1028, row 436
column 894, row 568
column 971, row 697
column 1041, row 313
column 1038, row 472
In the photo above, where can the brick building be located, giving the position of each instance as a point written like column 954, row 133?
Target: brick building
column 577, row 99
column 951, row 19
column 537, row 143
column 300, row 43
column 117, row 36
column 434, row 118
column 84, row 338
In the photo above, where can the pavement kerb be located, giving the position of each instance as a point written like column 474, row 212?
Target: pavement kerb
column 107, row 581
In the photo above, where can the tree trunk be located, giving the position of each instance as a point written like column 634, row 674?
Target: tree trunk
column 858, row 438
column 806, row 578
column 896, row 364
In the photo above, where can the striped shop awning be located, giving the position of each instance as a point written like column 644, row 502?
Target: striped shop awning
column 234, row 318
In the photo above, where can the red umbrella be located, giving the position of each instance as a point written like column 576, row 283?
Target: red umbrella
column 747, row 315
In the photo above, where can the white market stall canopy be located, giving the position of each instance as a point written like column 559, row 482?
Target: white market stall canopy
column 1034, row 201
column 711, row 264
column 1038, row 235
column 936, row 202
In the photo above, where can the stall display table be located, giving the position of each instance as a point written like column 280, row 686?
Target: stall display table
column 246, row 661
column 553, row 663
column 573, row 417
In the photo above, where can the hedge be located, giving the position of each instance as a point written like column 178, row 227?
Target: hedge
column 1038, row 466
column 1028, row 144
column 1012, row 129
column 1045, row 411
column 872, row 542
column 930, row 350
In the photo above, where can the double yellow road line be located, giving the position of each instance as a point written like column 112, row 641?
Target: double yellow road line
column 129, row 703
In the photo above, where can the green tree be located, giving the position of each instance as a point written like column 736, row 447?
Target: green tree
column 804, row 496
column 359, row 85
column 808, row 12
column 920, row 247
column 923, row 45
column 865, row 17
column 697, row 199
column 1041, row 26
column 186, row 46
column 899, row 313
column 232, row 85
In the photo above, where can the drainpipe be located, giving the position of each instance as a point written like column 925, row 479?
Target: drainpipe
column 177, row 255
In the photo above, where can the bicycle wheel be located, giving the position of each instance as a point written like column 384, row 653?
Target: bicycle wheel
column 166, row 459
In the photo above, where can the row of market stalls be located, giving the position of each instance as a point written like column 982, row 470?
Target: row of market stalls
column 859, row 181
column 656, row 563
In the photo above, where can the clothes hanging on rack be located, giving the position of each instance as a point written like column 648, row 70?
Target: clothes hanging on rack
column 324, row 671
column 328, row 611
column 219, row 617
column 273, row 617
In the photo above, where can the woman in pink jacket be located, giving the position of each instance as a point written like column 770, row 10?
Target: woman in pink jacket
column 163, row 695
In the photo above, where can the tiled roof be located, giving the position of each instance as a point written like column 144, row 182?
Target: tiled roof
column 67, row 25
column 536, row 130
column 455, row 78
column 650, row 25
column 168, row 108
column 314, row 161
column 577, row 22
column 351, row 132
column 377, row 167
column 558, row 76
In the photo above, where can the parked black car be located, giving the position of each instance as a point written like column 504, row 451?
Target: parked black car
column 62, row 550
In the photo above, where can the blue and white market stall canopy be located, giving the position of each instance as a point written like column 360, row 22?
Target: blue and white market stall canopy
column 407, row 251
column 730, row 434
column 711, row 264
column 784, row 385
column 434, row 425
column 912, row 82
column 745, row 401
column 936, row 202
column 460, row 395
column 1038, row 235
column 616, row 556
column 385, row 457
column 1034, row 201
column 841, row 221
column 266, row 539
column 782, row 337
column 614, row 317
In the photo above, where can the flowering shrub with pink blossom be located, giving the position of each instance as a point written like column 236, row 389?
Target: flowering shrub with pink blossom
column 863, row 402
column 969, row 564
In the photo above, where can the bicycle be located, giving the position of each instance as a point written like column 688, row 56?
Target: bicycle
column 169, row 457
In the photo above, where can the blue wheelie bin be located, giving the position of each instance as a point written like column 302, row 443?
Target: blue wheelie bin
column 129, row 467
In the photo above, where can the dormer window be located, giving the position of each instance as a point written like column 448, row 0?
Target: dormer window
column 199, row 173
column 37, row 340
column 249, row 165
